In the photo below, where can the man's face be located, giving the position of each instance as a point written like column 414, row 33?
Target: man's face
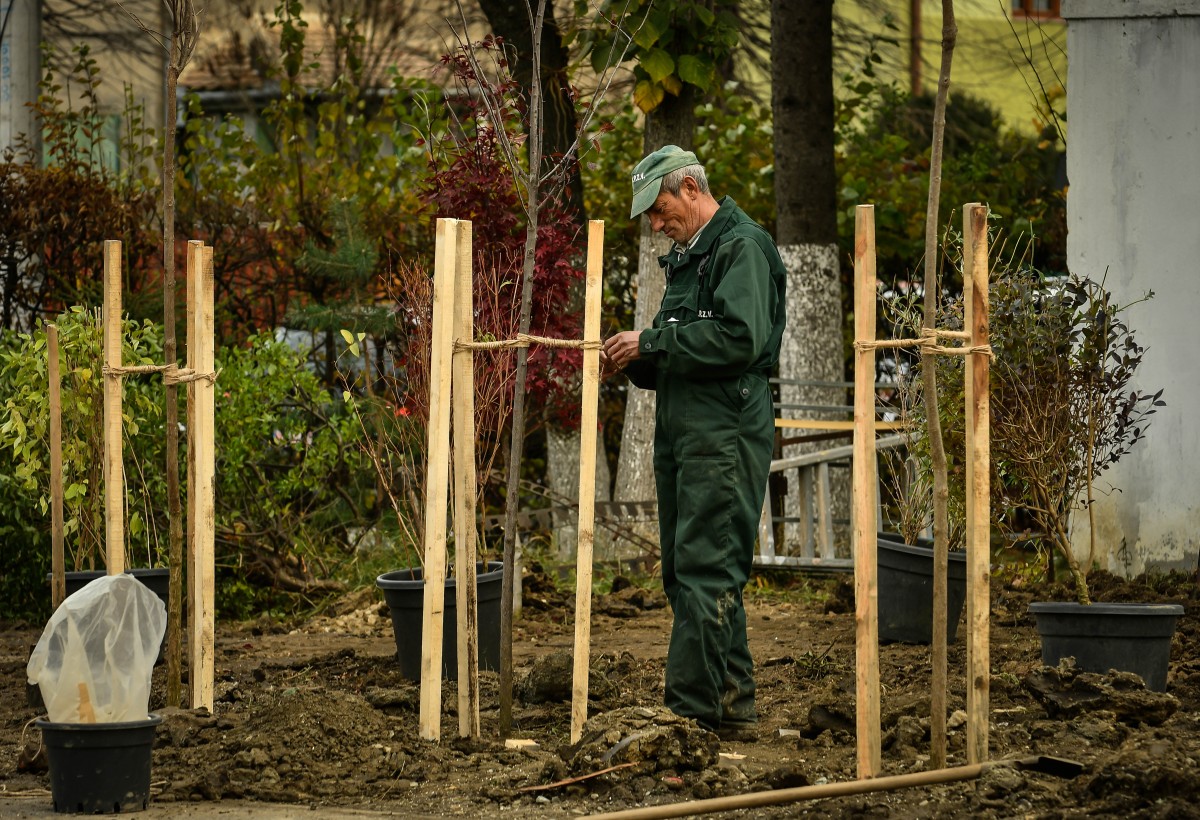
column 676, row 215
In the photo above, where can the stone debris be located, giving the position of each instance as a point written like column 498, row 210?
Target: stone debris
column 654, row 738
column 551, row 679
column 1065, row 692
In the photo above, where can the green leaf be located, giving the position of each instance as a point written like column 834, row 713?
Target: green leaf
column 647, row 34
column 698, row 71
column 604, row 54
column 658, row 64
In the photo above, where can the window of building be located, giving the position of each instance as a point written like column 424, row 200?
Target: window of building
column 1037, row 8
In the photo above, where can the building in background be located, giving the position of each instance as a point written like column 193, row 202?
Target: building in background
column 1134, row 165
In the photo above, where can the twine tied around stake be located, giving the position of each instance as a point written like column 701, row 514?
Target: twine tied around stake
column 927, row 341
column 172, row 374
column 525, row 340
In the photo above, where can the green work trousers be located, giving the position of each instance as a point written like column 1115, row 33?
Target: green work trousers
column 712, row 454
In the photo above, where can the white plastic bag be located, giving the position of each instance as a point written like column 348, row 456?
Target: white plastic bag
column 94, row 659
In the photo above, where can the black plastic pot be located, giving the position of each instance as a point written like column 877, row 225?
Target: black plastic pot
column 1100, row 637
column 905, row 590
column 99, row 768
column 158, row 580
column 404, row 592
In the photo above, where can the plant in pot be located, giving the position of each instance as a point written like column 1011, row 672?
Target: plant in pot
column 470, row 178
column 1065, row 408
column 904, row 553
column 24, row 432
column 392, row 407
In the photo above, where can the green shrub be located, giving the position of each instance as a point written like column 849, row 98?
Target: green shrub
column 883, row 159
column 24, row 442
column 294, row 485
column 292, row 481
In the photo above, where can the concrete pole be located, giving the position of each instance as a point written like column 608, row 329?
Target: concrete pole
column 20, row 70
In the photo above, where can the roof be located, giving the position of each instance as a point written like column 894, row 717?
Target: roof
column 247, row 57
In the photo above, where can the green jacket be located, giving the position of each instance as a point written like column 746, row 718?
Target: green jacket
column 723, row 311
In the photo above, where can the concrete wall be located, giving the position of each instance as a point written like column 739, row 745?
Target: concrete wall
column 19, row 71
column 1133, row 160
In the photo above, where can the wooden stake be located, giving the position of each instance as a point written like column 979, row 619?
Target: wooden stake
column 587, row 476
column 114, row 473
column 195, row 255
column 465, row 489
column 865, row 478
column 203, row 665
column 938, row 654
column 437, row 466
column 978, row 366
column 58, row 578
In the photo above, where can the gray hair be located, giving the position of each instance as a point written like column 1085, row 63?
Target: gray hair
column 672, row 181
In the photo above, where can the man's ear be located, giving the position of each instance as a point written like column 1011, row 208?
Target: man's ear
column 690, row 187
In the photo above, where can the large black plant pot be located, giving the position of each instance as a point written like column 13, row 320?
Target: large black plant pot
column 99, row 768
column 1100, row 637
column 158, row 580
column 905, row 589
column 404, row 592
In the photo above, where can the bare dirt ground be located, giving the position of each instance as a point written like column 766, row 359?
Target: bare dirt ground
column 315, row 719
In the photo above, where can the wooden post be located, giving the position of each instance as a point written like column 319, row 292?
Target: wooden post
column 587, row 476
column 766, row 528
column 866, row 619
column 437, row 466
column 978, row 441
column 58, row 577
column 203, row 582
column 465, row 489
column 114, row 473
column 825, row 508
column 195, row 256
column 806, row 511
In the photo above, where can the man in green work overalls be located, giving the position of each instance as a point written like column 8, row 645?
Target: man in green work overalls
column 707, row 356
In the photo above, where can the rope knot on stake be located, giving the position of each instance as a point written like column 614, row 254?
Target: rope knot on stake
column 927, row 342
column 525, row 340
column 172, row 374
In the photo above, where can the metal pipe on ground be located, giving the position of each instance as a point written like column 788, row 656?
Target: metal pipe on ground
column 1040, row 763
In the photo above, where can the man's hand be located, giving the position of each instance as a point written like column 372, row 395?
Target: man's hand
column 619, row 350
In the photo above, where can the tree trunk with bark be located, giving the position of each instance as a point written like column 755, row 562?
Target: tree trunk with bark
column 806, row 221
column 672, row 123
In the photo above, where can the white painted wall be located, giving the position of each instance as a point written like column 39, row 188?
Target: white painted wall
column 19, row 69
column 1133, row 160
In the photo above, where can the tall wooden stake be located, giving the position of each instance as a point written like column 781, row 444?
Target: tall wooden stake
column 437, row 465
column 58, row 578
column 114, row 473
column 978, row 440
column 195, row 257
column 587, row 476
column 866, row 618
column 465, row 489
column 203, row 580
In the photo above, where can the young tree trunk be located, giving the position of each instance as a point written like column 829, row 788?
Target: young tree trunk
column 806, row 218
column 937, row 451
column 170, row 355
column 509, row 19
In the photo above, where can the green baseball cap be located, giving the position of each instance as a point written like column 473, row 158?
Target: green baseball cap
column 647, row 176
